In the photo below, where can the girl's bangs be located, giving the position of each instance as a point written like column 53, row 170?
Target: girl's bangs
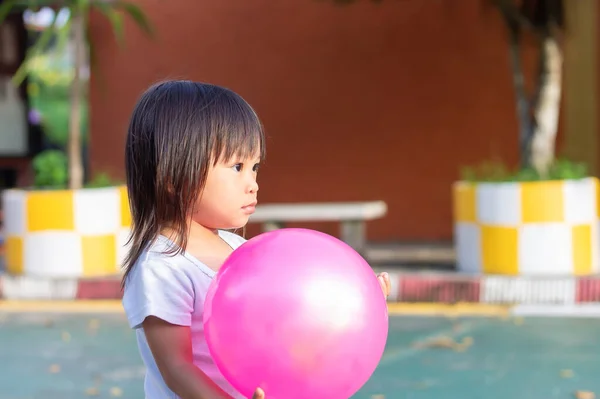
column 239, row 133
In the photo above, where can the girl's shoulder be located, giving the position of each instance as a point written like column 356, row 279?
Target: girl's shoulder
column 233, row 239
column 165, row 261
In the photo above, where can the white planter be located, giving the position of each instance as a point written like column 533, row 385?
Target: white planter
column 529, row 228
column 65, row 233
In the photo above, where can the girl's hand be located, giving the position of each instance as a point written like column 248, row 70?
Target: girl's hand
column 258, row 394
column 386, row 286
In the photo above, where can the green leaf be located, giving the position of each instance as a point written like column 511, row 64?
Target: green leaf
column 91, row 47
column 137, row 15
column 63, row 35
column 51, row 169
column 36, row 49
column 9, row 6
column 115, row 19
column 561, row 169
column 82, row 5
column 112, row 11
column 6, row 8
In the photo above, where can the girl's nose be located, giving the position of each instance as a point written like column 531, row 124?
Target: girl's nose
column 253, row 188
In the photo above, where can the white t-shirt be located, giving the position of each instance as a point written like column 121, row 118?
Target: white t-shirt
column 172, row 288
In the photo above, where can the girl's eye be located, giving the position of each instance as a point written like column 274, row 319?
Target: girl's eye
column 256, row 167
column 237, row 167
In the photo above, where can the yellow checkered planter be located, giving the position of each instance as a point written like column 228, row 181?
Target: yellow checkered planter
column 530, row 228
column 66, row 233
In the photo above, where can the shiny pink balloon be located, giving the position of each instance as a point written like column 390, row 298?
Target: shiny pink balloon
column 298, row 313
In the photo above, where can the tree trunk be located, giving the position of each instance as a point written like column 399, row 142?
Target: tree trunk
column 75, row 161
column 547, row 107
column 522, row 100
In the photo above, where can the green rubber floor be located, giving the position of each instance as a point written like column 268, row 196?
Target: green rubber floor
column 82, row 356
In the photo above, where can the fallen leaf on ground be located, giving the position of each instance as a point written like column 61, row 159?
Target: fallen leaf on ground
column 421, row 385
column 464, row 345
column 66, row 337
column 116, row 392
column 93, row 391
column 566, row 373
column 54, row 368
column 446, row 342
column 585, row 395
column 94, row 324
column 438, row 342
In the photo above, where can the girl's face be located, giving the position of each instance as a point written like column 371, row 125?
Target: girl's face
column 230, row 194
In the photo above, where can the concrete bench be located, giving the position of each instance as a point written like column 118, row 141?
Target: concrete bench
column 352, row 217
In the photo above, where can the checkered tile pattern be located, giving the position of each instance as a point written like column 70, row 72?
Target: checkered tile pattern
column 65, row 233
column 532, row 228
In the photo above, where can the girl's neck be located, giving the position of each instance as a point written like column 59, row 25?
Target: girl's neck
column 207, row 246
column 198, row 231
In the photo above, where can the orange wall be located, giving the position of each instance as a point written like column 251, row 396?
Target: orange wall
column 361, row 102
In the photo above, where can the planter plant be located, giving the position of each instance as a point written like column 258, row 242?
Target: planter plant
column 63, row 226
column 517, row 224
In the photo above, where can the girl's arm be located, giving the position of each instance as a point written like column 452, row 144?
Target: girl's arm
column 160, row 298
column 171, row 347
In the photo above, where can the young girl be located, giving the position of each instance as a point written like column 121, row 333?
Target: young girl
column 192, row 156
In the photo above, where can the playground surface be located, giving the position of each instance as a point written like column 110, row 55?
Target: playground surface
column 81, row 355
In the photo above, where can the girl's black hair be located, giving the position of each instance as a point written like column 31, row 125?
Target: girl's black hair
column 177, row 128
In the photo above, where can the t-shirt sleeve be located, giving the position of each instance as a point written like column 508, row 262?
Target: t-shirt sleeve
column 157, row 288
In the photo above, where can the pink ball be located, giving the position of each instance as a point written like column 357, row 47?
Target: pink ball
column 298, row 313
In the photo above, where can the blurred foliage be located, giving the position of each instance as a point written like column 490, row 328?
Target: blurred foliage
column 102, row 180
column 59, row 33
column 49, row 94
column 490, row 171
column 51, row 169
column 56, row 88
column 51, row 172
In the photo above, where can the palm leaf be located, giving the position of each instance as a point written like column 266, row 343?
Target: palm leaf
column 137, row 15
column 114, row 17
column 36, row 49
column 63, row 35
column 6, row 8
column 115, row 12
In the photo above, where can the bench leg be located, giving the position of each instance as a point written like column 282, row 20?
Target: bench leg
column 270, row 226
column 354, row 234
